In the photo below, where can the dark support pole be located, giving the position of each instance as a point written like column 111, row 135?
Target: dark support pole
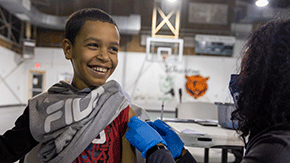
column 206, row 155
column 224, row 155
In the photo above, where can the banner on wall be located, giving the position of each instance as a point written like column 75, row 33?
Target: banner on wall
column 161, row 83
column 163, row 89
column 214, row 45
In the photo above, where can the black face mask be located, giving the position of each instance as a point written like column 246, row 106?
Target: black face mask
column 234, row 87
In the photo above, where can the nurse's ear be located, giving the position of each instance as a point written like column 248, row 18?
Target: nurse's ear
column 67, row 48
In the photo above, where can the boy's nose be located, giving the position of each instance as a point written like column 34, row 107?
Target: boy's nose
column 103, row 55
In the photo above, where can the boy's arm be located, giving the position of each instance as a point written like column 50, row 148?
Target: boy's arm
column 18, row 141
column 128, row 154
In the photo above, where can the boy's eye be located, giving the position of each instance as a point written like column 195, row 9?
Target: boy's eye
column 93, row 45
column 114, row 49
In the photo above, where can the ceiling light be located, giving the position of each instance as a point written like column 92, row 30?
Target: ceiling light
column 172, row 1
column 262, row 3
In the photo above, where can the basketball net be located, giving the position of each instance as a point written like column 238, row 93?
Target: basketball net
column 164, row 56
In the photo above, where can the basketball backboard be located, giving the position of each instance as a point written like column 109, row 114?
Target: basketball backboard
column 160, row 49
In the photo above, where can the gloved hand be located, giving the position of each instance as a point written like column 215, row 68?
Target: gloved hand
column 174, row 143
column 142, row 136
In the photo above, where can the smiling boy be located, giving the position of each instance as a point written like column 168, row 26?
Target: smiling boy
column 82, row 121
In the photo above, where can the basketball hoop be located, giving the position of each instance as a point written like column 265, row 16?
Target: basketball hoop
column 164, row 52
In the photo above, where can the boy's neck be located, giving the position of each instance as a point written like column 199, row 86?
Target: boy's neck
column 83, row 87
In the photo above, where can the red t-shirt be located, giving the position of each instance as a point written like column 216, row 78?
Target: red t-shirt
column 107, row 146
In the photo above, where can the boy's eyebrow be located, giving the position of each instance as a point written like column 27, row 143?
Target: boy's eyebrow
column 95, row 39
column 116, row 43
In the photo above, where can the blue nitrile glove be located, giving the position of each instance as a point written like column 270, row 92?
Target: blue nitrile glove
column 142, row 136
column 174, row 143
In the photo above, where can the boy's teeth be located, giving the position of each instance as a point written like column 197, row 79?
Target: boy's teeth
column 99, row 69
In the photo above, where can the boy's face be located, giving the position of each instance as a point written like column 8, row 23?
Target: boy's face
column 94, row 53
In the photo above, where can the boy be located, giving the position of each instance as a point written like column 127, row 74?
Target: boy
column 82, row 122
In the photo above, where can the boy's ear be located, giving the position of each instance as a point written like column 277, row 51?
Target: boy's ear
column 67, row 48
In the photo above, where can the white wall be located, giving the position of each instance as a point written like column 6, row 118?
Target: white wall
column 8, row 116
column 143, row 84
column 52, row 61
column 12, row 78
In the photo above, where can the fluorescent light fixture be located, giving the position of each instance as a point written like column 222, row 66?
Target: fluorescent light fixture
column 22, row 17
column 172, row 1
column 262, row 3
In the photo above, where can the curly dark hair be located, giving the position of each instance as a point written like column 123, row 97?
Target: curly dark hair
column 264, row 100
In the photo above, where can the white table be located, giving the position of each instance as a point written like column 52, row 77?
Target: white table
column 208, row 137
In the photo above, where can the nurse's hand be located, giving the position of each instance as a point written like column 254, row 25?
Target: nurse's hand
column 142, row 136
column 174, row 143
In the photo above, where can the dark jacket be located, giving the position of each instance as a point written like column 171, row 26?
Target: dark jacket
column 18, row 141
column 269, row 146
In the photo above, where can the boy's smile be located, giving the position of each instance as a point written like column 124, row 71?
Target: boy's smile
column 94, row 53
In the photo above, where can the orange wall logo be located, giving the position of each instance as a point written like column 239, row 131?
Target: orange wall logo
column 196, row 85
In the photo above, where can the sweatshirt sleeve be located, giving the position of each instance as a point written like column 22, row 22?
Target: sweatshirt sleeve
column 161, row 156
column 164, row 156
column 18, row 141
column 187, row 157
